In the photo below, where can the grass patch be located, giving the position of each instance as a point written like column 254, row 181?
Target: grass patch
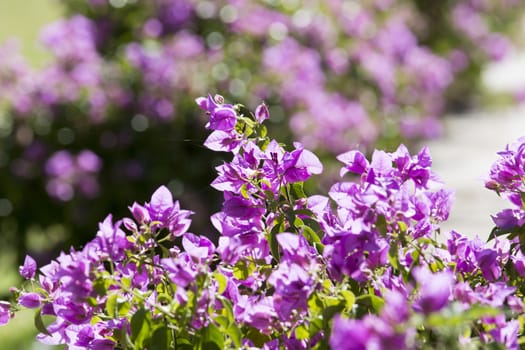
column 24, row 20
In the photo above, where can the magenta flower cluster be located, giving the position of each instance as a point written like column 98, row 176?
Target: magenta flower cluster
column 361, row 268
column 507, row 178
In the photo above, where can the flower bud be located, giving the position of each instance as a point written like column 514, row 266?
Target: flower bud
column 130, row 224
column 29, row 300
column 218, row 99
column 140, row 213
column 261, row 113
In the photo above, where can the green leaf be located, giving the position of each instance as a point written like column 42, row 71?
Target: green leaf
column 235, row 335
column 263, row 131
column 279, row 227
column 381, row 225
column 377, row 302
column 39, row 323
column 297, row 222
column 349, row 299
column 310, row 235
column 402, row 226
column 184, row 344
column 244, row 191
column 126, row 282
column 301, row 332
column 393, row 255
column 211, row 338
column 248, row 129
column 257, row 337
column 327, row 285
column 160, row 340
column 248, row 121
column 297, row 191
column 512, row 232
column 331, row 301
column 330, row 312
column 228, row 324
column 475, row 312
column 243, row 269
column 315, row 305
column 305, row 212
column 426, row 241
column 228, row 310
column 222, row 282
column 314, row 225
column 263, row 144
column 315, row 325
column 140, row 327
column 239, row 126
column 222, row 321
column 123, row 309
column 92, row 301
column 111, row 305
column 101, row 285
column 371, row 300
column 290, row 217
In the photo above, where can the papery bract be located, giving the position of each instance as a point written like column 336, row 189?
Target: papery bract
column 29, row 300
column 28, row 269
column 5, row 312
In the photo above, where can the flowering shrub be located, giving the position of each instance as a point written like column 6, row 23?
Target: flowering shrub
column 361, row 268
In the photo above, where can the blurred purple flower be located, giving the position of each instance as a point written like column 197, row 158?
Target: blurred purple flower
column 5, row 313
column 434, row 289
column 89, row 161
column 507, row 334
column 361, row 337
column 68, row 173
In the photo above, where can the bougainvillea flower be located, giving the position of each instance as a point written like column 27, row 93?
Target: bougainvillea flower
column 261, row 113
column 28, row 269
column 300, row 164
column 30, row 300
column 354, row 161
column 167, row 212
column 5, row 313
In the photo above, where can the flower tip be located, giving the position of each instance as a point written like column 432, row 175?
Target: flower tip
column 162, row 195
column 28, row 269
column 261, row 113
column 202, row 102
column 219, row 99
